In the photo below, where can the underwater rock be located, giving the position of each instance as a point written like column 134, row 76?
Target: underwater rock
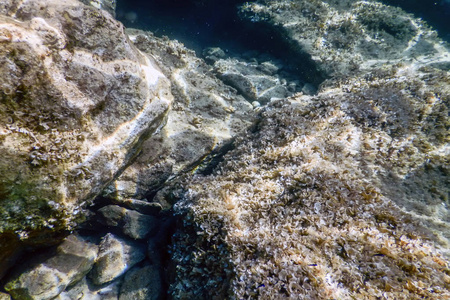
column 77, row 101
column 107, row 5
column 73, row 260
column 142, row 283
column 115, row 257
column 4, row 296
column 131, row 223
column 256, row 82
column 345, row 38
column 83, row 290
column 144, row 207
column 206, row 115
column 343, row 195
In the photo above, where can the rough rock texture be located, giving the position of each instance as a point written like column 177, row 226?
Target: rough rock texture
column 348, row 37
column 77, row 100
column 4, row 296
column 256, row 78
column 142, row 283
column 144, row 207
column 84, row 290
column 115, row 257
column 107, row 5
column 73, row 260
column 206, row 115
column 130, row 222
column 340, row 196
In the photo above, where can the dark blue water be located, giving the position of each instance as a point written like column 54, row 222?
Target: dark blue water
column 204, row 23
column 214, row 23
column 435, row 12
column 198, row 24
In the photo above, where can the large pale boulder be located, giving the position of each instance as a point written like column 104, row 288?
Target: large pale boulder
column 206, row 116
column 77, row 100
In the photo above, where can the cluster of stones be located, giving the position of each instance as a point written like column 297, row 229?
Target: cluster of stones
column 117, row 255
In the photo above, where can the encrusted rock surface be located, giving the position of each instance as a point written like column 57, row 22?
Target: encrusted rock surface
column 343, row 195
column 344, row 38
column 130, row 222
column 339, row 193
column 115, row 257
column 73, row 260
column 205, row 116
column 77, row 101
column 142, row 283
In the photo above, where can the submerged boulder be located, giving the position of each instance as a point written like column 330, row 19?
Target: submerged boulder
column 77, row 100
column 345, row 38
column 116, row 256
column 73, row 260
column 205, row 117
column 338, row 196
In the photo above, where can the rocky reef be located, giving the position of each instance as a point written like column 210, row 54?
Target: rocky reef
column 77, row 101
column 132, row 168
column 327, row 199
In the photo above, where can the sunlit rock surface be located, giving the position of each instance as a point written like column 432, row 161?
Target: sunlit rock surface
column 115, row 257
column 106, row 5
column 206, row 115
column 84, row 290
column 77, row 101
column 347, row 37
column 339, row 196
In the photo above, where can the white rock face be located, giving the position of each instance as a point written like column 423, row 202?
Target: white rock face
column 206, row 115
column 77, row 101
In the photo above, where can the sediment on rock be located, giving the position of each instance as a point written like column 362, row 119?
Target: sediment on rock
column 321, row 200
column 77, row 102
column 340, row 192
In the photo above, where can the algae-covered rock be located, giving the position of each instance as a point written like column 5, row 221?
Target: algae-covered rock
column 77, row 100
column 205, row 117
column 344, row 38
column 339, row 196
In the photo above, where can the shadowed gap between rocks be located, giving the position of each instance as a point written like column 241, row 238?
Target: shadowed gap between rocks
column 203, row 24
